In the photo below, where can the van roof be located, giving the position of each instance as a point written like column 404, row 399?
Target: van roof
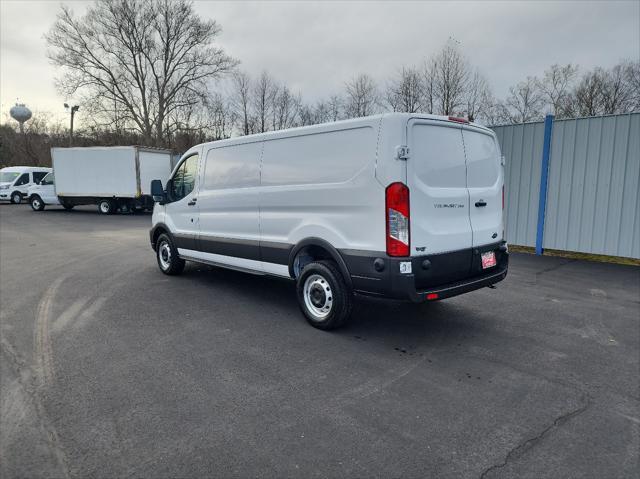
column 10, row 169
column 352, row 122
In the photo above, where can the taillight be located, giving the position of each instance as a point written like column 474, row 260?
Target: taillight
column 397, row 213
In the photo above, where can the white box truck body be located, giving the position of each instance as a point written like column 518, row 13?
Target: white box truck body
column 114, row 178
column 403, row 206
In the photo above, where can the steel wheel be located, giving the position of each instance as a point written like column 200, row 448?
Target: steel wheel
column 318, row 297
column 16, row 198
column 164, row 255
column 105, row 207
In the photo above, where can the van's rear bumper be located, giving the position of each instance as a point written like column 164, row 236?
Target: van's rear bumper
column 405, row 287
column 446, row 275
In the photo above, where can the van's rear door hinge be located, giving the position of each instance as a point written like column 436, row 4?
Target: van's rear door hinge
column 402, row 152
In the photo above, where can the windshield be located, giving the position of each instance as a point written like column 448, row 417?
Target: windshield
column 48, row 179
column 8, row 176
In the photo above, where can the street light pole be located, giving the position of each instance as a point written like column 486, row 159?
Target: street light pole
column 74, row 109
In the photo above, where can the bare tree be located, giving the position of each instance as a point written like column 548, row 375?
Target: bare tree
column 322, row 112
column 525, row 101
column 335, row 105
column 149, row 58
column 617, row 91
column 285, row 108
column 450, row 73
column 556, row 86
column 242, row 101
column 361, row 96
column 264, row 91
column 429, row 85
column 405, row 93
column 478, row 97
column 588, row 94
column 633, row 80
column 497, row 113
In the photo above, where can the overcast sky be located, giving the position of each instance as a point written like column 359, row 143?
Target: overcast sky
column 317, row 46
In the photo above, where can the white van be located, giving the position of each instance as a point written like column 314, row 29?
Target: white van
column 16, row 180
column 402, row 206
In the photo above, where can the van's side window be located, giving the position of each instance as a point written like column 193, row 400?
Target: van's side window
column 23, row 180
column 48, row 179
column 38, row 175
column 184, row 179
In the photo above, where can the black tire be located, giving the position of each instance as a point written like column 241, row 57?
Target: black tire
column 107, row 207
column 16, row 197
column 323, row 295
column 67, row 207
column 36, row 203
column 167, row 256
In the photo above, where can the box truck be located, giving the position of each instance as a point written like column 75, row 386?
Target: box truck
column 401, row 206
column 115, row 178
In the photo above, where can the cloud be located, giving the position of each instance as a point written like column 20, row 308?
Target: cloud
column 316, row 46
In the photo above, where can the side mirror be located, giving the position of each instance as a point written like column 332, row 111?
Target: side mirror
column 157, row 192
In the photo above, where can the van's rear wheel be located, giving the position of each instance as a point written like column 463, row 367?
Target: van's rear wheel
column 167, row 254
column 107, row 207
column 323, row 295
column 36, row 203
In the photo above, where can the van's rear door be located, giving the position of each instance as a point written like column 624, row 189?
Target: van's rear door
column 437, row 181
column 484, row 181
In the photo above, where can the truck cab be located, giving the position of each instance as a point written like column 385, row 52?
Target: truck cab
column 44, row 193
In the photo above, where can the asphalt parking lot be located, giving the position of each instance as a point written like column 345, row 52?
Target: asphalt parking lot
column 111, row 369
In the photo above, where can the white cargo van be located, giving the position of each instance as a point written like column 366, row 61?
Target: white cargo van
column 16, row 180
column 112, row 177
column 402, row 206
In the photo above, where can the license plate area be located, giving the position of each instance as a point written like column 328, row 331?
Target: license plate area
column 488, row 259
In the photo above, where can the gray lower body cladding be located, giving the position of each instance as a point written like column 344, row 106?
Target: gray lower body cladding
column 375, row 273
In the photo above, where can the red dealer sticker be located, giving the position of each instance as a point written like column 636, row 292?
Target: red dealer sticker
column 488, row 259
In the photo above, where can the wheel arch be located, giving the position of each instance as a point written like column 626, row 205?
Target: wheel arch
column 318, row 248
column 156, row 231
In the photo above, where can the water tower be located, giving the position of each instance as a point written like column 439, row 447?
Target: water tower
column 20, row 113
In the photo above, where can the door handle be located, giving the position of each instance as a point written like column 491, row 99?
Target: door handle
column 481, row 203
column 192, row 202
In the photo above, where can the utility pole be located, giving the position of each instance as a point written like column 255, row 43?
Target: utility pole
column 74, row 109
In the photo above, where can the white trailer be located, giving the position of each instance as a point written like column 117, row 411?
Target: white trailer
column 114, row 178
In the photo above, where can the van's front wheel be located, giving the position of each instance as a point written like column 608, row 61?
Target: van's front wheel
column 323, row 295
column 36, row 203
column 167, row 254
column 16, row 197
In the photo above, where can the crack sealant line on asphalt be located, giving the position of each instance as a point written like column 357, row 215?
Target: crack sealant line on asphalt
column 522, row 447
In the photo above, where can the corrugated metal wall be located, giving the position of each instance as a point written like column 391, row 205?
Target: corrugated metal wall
column 522, row 148
column 593, row 202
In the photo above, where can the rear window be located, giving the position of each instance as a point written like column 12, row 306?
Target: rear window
column 483, row 159
column 437, row 156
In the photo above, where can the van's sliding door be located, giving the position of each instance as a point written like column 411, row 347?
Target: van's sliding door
column 228, row 202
